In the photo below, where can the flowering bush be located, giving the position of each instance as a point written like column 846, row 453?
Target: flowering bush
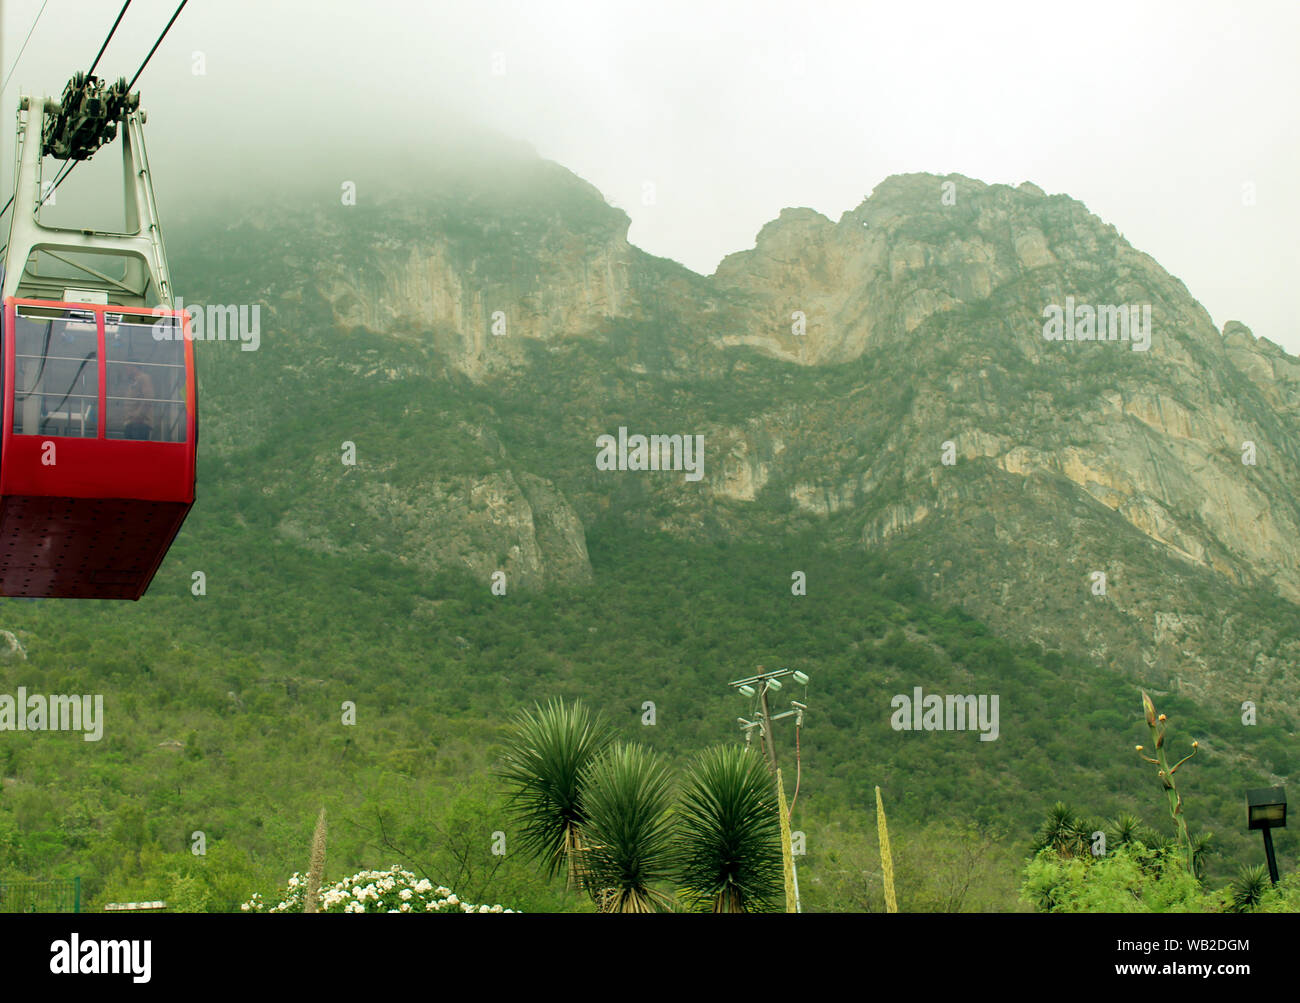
column 394, row 890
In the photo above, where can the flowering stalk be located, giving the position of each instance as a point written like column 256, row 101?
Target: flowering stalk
column 317, row 869
column 1166, row 774
column 787, row 851
column 886, row 858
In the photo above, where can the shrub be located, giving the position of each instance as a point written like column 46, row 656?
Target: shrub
column 1132, row 878
column 394, row 890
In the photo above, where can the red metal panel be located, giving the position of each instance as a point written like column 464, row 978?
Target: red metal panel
column 97, row 468
column 101, row 417
column 10, row 327
column 191, row 395
column 83, row 548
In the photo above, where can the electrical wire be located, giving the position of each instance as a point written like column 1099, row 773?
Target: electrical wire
column 64, row 175
column 155, row 45
column 18, row 59
column 24, row 46
column 91, row 72
column 71, row 165
column 64, row 171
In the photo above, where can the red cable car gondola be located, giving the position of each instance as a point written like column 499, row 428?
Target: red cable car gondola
column 99, row 427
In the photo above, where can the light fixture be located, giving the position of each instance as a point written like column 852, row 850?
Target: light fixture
column 801, row 678
column 748, row 690
column 1266, row 811
column 774, row 684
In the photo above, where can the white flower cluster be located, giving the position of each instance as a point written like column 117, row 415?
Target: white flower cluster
column 393, row 890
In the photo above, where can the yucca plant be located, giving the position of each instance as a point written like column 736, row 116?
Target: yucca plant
column 547, row 751
column 729, row 848
column 1126, row 828
column 1202, row 847
column 1247, row 888
column 627, row 806
column 1064, row 832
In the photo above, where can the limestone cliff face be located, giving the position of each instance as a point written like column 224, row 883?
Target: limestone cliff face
column 923, row 245
column 958, row 273
column 886, row 373
column 420, row 292
column 1272, row 371
column 485, row 265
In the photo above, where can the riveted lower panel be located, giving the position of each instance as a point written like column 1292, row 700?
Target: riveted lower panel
column 83, row 548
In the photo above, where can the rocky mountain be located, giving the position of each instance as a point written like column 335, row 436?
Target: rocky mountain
column 442, row 403
column 891, row 381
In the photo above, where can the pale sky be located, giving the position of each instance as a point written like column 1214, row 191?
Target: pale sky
column 1156, row 115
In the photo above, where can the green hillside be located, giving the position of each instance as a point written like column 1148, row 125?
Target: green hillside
column 324, row 585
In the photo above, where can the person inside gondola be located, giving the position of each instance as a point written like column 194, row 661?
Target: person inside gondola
column 139, row 405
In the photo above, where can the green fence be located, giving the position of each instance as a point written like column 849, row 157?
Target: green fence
column 54, row 895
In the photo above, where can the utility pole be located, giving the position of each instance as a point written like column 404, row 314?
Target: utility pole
column 767, row 726
column 757, row 686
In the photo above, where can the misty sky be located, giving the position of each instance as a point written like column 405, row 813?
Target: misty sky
column 1155, row 115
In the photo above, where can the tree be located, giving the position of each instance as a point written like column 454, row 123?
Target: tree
column 626, row 799
column 947, row 868
column 547, row 753
column 729, row 849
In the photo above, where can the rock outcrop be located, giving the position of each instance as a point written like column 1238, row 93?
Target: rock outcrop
column 888, row 376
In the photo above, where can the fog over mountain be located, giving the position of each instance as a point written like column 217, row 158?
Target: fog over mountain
column 702, row 122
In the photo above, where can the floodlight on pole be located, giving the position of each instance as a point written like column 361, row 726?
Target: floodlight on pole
column 758, row 686
column 1266, row 811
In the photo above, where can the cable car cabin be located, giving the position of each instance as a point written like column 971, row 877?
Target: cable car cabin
column 97, row 439
column 97, row 448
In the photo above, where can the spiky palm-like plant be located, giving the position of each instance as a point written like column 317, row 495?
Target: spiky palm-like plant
column 627, row 802
column 1247, row 888
column 729, row 848
column 1202, row 847
column 1126, row 828
column 1063, row 832
column 547, row 752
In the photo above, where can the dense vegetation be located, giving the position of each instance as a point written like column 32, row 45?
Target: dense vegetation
column 224, row 711
column 249, row 680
